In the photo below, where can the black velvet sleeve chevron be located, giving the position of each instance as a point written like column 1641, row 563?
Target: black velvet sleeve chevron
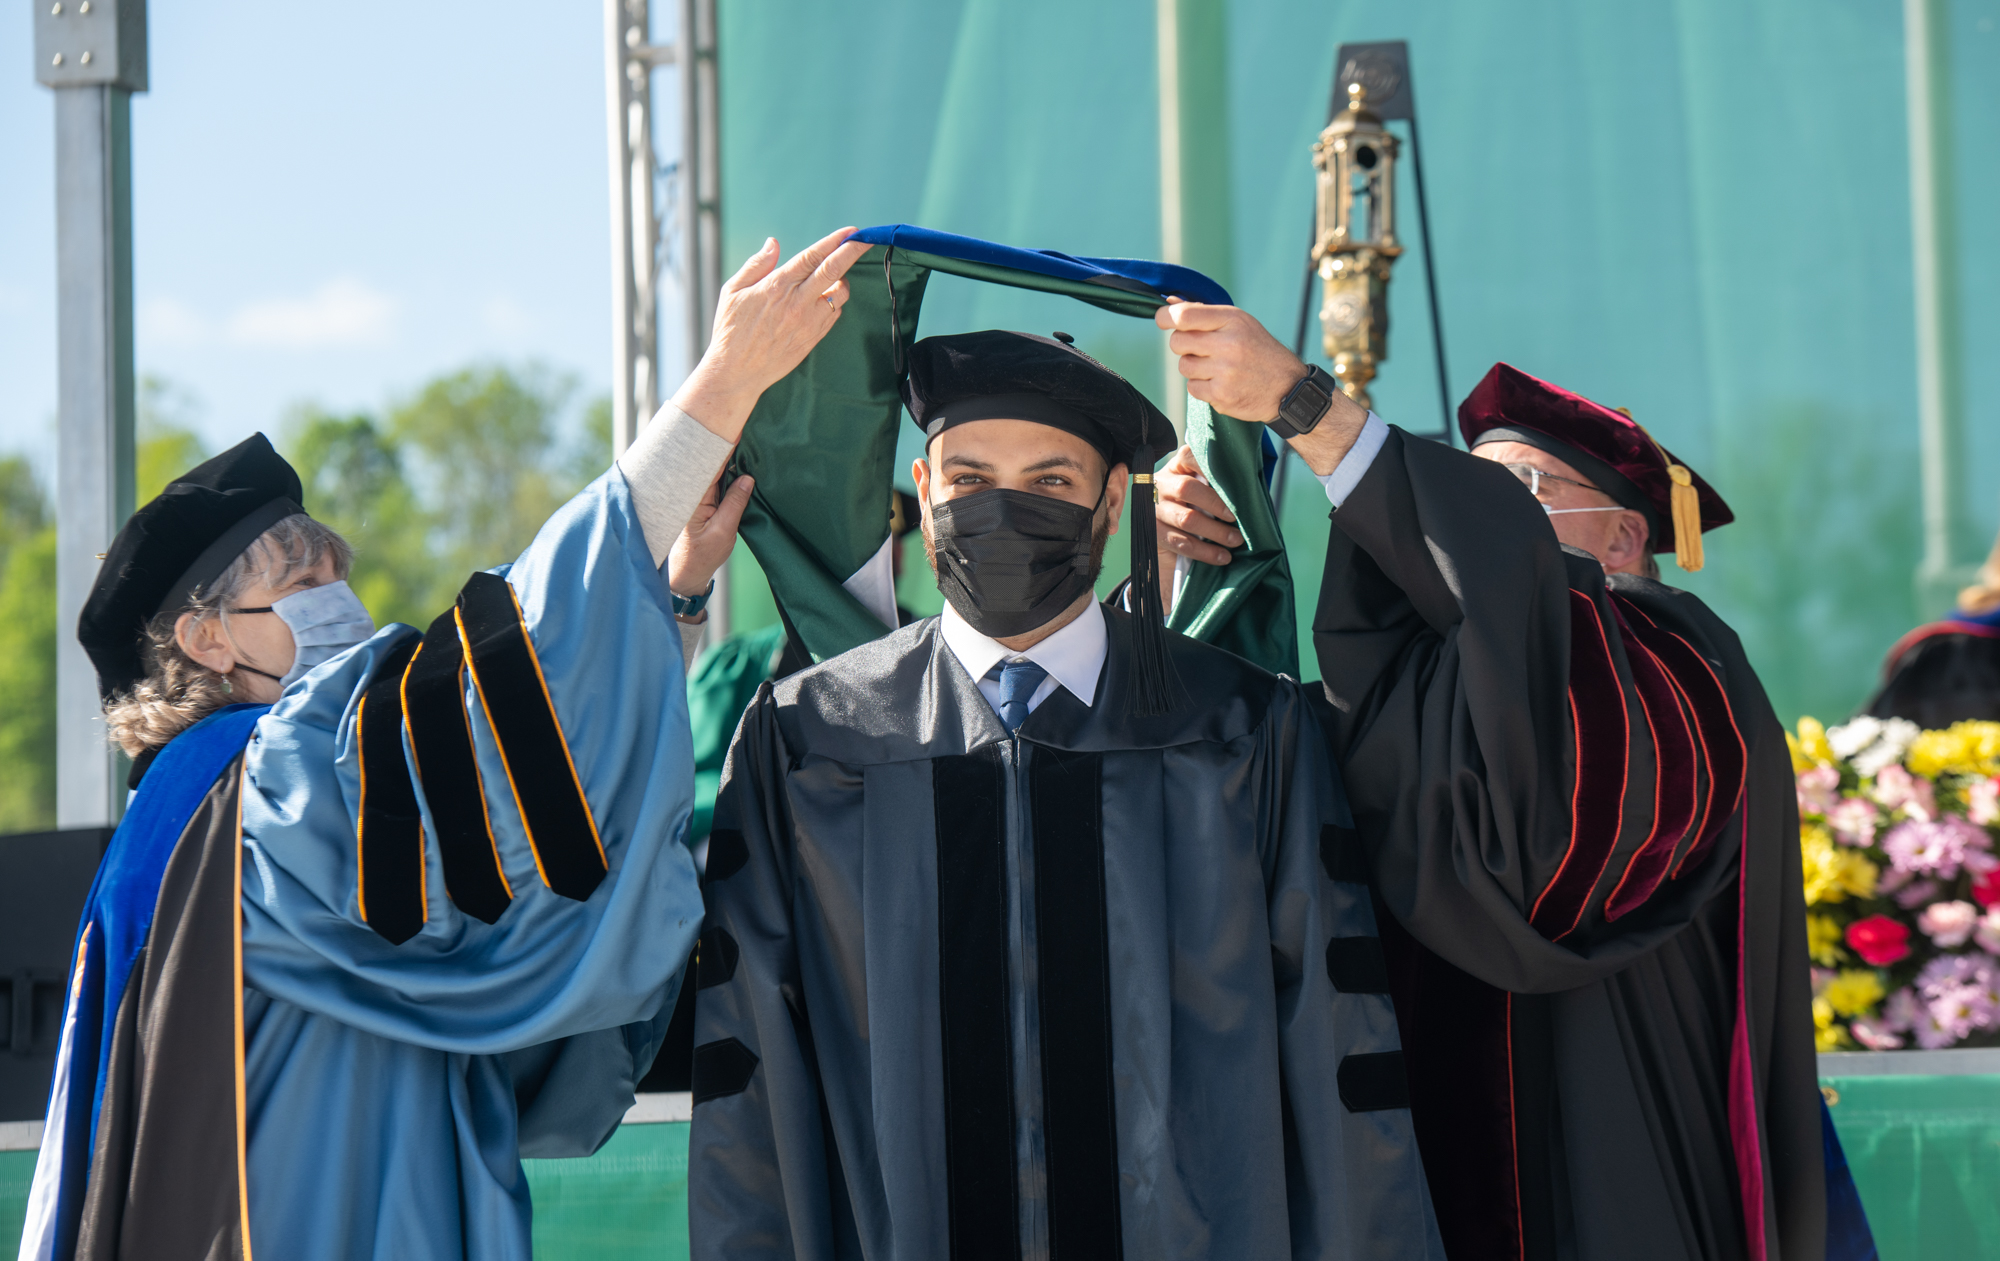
column 389, row 836
column 508, row 674
column 441, row 739
column 421, row 689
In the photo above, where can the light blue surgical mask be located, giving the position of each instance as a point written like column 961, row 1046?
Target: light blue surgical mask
column 325, row 621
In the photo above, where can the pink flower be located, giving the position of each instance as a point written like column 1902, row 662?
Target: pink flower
column 1919, row 894
column 1939, row 847
column 1930, row 1033
column 1897, row 788
column 1819, row 788
column 1987, row 934
column 1982, row 800
column 1854, row 820
column 1948, row 923
column 1960, row 996
column 1901, row 1013
column 1879, row 940
column 1874, row 1034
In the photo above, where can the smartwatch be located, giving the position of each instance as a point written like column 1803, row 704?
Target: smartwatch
column 692, row 605
column 1305, row 404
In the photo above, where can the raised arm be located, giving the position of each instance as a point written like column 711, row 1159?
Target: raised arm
column 468, row 838
column 1543, row 772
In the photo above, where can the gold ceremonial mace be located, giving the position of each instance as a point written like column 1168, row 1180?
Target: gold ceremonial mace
column 1354, row 242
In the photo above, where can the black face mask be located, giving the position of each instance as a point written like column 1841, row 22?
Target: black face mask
column 1010, row 561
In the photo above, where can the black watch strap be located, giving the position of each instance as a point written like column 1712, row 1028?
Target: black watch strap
column 1305, row 404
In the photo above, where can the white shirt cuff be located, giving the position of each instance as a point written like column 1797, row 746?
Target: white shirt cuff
column 1347, row 474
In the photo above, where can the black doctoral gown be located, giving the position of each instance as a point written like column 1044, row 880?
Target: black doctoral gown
column 1940, row 674
column 1583, row 826
column 1107, row 988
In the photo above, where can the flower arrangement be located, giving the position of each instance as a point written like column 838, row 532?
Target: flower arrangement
column 1902, row 884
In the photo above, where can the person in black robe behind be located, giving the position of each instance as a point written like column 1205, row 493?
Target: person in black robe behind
column 1034, row 929
column 1580, row 813
column 1949, row 671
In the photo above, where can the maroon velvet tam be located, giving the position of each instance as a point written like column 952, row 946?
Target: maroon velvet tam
column 1604, row 445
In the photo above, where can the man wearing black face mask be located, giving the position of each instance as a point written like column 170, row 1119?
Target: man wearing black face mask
column 1029, row 932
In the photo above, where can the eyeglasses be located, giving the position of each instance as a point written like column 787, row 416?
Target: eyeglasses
column 1533, row 477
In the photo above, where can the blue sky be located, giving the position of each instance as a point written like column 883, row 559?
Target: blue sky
column 332, row 202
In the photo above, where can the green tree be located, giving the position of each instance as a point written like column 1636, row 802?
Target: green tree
column 167, row 443
column 24, row 509
column 352, row 470
column 27, row 651
column 458, row 477
column 484, row 447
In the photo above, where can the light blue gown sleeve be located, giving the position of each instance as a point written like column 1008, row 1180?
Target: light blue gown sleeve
column 549, row 967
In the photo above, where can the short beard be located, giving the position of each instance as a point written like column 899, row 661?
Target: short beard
column 1100, row 535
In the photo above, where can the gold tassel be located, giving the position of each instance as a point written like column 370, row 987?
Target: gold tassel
column 1687, row 518
column 1686, row 503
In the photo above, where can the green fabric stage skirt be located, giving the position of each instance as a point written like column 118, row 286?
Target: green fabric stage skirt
column 1925, row 1153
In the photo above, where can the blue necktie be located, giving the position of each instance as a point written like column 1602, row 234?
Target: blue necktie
column 1018, row 681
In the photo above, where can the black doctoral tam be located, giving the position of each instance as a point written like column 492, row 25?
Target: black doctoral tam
column 175, row 544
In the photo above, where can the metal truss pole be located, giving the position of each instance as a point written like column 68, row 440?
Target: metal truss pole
column 635, row 226
column 700, row 185
column 94, row 57
column 698, row 217
column 689, row 235
column 1940, row 399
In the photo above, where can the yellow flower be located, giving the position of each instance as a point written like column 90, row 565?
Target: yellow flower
column 1964, row 748
column 1854, row 992
column 1833, row 872
column 1827, row 1036
column 1809, row 747
column 1823, row 938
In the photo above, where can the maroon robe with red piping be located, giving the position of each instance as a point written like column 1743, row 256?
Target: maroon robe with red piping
column 1581, row 816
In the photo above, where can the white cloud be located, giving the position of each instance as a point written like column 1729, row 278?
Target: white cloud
column 343, row 312
column 171, row 322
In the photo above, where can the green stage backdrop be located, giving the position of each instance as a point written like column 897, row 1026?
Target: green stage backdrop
column 1695, row 208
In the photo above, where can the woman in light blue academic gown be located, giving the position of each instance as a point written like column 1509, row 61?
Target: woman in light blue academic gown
column 390, row 909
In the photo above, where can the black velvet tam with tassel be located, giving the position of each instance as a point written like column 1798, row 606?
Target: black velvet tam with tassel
column 1002, row 375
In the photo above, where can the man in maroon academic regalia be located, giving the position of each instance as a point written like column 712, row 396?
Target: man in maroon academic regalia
column 1575, row 802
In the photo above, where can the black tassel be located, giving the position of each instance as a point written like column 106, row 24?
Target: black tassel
column 1156, row 685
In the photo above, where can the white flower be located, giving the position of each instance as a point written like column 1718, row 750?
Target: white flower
column 1869, row 744
column 1896, row 737
column 1849, row 738
column 1854, row 821
column 1948, row 923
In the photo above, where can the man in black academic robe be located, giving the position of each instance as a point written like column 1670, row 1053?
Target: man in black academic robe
column 1579, row 811
column 1067, row 958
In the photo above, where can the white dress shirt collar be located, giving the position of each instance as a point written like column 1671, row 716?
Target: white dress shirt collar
column 1073, row 656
